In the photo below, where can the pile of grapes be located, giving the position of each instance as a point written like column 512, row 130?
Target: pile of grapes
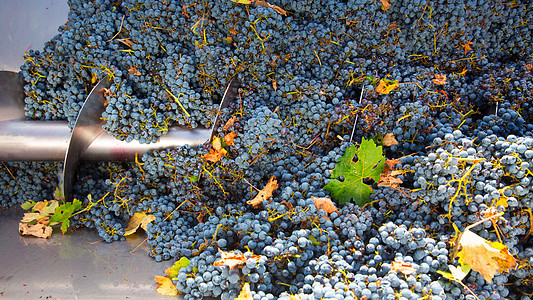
column 452, row 80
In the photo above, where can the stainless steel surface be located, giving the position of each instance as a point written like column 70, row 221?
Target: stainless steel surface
column 11, row 96
column 48, row 141
column 33, row 140
column 107, row 148
column 231, row 92
column 87, row 128
column 27, row 24
column 76, row 265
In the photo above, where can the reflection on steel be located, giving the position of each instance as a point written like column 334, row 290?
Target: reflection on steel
column 87, row 128
column 48, row 141
column 33, row 140
column 11, row 96
column 231, row 92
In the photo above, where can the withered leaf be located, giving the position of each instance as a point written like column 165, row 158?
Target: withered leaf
column 388, row 177
column 485, row 257
column 38, row 230
column 229, row 123
column 246, row 293
column 404, row 267
column 134, row 71
column 217, row 144
column 467, row 47
column 386, row 86
column 288, row 205
column 389, row 140
column 139, row 219
column 265, row 193
column 232, row 260
column 440, row 79
column 276, row 8
column 214, row 155
column 389, row 181
column 165, row 286
column 46, row 207
column 30, row 217
column 325, row 204
column 217, row 152
column 386, row 4
column 127, row 41
column 228, row 138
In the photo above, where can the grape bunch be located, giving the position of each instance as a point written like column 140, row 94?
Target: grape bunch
column 451, row 80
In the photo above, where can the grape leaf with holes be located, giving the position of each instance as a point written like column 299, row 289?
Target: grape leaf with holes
column 370, row 163
column 63, row 213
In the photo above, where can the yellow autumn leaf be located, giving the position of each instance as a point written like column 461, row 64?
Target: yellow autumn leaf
column 459, row 273
column 243, row 1
column 139, row 219
column 386, row 86
column 166, row 286
column 245, row 293
column 485, row 257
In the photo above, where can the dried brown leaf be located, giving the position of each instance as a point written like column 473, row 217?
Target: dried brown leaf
column 389, row 140
column 228, row 138
column 288, row 205
column 230, row 123
column 386, row 86
column 276, row 8
column 127, row 41
column 134, row 71
column 440, row 79
column 386, row 4
column 388, row 177
column 232, row 260
column 139, row 219
column 38, row 230
column 404, row 267
column 214, row 156
column 389, row 181
column 217, row 152
column 325, row 204
column 265, row 193
column 467, row 47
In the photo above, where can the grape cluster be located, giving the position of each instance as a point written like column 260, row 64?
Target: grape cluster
column 450, row 79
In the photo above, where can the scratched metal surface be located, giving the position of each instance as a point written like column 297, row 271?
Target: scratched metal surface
column 77, row 265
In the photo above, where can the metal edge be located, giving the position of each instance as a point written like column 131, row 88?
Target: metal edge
column 87, row 128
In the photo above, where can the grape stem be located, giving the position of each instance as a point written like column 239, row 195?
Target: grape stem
column 357, row 116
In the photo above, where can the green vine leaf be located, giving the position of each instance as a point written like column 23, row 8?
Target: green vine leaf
column 63, row 213
column 28, row 205
column 174, row 270
column 370, row 164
